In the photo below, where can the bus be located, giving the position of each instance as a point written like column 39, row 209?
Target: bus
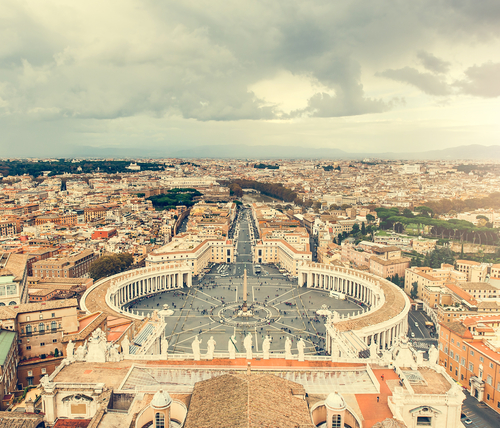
column 429, row 324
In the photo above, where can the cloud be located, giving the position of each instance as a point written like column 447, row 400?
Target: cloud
column 433, row 63
column 426, row 82
column 481, row 80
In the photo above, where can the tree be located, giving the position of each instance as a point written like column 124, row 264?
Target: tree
column 363, row 228
column 110, row 265
column 355, row 229
column 414, row 290
column 370, row 217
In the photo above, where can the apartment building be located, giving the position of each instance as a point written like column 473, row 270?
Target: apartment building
column 469, row 349
column 13, row 277
column 8, row 365
column 475, row 271
column 426, row 277
column 94, row 213
column 197, row 252
column 40, row 327
column 65, row 267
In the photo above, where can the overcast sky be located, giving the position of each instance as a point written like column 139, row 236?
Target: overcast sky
column 355, row 75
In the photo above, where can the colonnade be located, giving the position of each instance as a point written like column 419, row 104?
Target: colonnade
column 382, row 324
column 129, row 286
column 147, row 286
column 346, row 285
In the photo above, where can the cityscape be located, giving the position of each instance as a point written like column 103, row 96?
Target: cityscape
column 172, row 274
column 249, row 214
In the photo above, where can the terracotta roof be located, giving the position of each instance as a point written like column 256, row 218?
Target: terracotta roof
column 239, row 400
column 19, row 420
column 72, row 423
column 8, row 312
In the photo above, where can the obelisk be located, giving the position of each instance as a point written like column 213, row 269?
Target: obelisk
column 244, row 307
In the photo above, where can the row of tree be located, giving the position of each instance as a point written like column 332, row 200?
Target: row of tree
column 451, row 206
column 453, row 229
column 274, row 190
column 110, row 264
column 173, row 198
column 36, row 169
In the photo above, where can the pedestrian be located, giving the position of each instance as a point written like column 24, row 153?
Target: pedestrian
column 378, row 398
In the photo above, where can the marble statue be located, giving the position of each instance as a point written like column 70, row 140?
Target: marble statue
column 288, row 349
column 248, row 345
column 113, row 354
column 45, row 381
column 70, row 349
column 211, row 348
column 231, row 347
column 126, row 346
column 81, row 352
column 433, row 355
column 300, row 347
column 97, row 347
column 164, row 346
column 196, row 348
column 266, row 346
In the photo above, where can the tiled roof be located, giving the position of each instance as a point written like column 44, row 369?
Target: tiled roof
column 239, row 400
column 8, row 312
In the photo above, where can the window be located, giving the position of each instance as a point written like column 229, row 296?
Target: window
column 489, row 380
column 28, row 348
column 463, row 361
column 41, row 328
column 456, row 358
column 159, row 420
column 54, row 340
column 424, row 421
column 451, row 354
column 491, row 365
column 463, row 347
column 28, row 319
column 53, row 314
column 41, row 316
column 458, row 343
column 53, row 325
column 42, row 343
column 30, row 373
column 452, row 340
column 446, row 350
column 472, row 352
column 28, row 329
column 471, row 367
column 481, row 359
column 44, row 370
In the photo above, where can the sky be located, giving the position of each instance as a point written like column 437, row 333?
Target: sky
column 356, row 75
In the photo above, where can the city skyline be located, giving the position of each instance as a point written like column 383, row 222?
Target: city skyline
column 377, row 77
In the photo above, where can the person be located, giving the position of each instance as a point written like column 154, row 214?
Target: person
column 378, row 398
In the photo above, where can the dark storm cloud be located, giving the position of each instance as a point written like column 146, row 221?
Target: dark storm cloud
column 482, row 80
column 426, row 82
column 198, row 60
column 433, row 63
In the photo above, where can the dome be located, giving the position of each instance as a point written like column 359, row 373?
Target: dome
column 334, row 401
column 161, row 399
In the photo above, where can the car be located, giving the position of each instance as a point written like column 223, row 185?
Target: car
column 412, row 334
column 467, row 421
column 416, row 324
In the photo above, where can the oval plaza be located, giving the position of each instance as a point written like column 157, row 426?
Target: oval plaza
column 296, row 343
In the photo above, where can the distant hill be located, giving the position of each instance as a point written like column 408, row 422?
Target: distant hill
column 470, row 152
